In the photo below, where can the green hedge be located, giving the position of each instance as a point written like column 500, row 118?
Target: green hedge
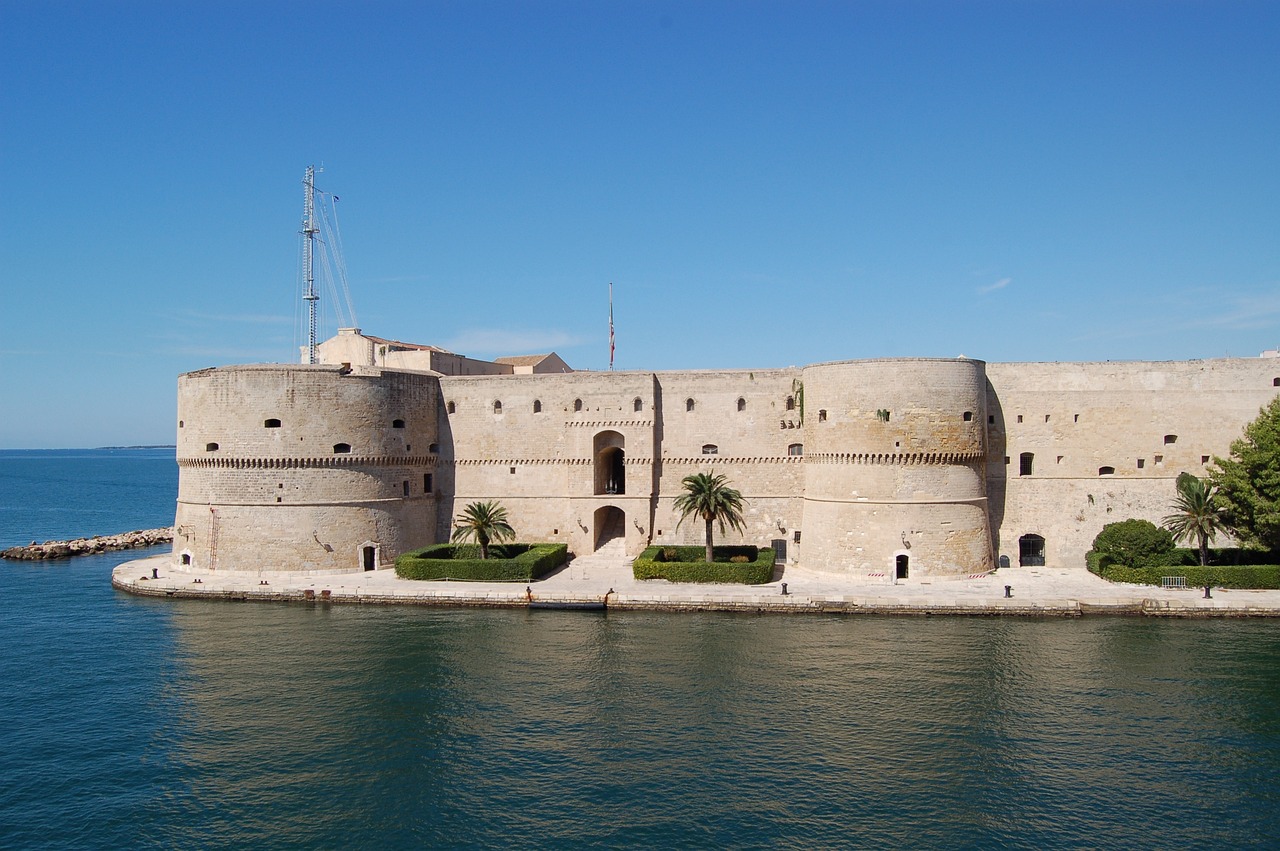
column 506, row 562
column 687, row 564
column 1219, row 576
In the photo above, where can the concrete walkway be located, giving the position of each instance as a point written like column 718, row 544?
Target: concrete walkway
column 606, row 576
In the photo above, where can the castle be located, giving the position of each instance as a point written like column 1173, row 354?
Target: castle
column 882, row 470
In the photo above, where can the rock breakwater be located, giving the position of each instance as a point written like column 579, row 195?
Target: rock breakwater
column 89, row 546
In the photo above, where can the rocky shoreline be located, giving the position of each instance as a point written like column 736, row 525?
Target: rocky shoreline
column 89, row 546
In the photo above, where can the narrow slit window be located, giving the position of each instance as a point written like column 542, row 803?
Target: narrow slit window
column 497, row 406
column 537, row 406
column 426, row 483
column 451, row 408
column 405, row 487
column 742, row 404
column 822, row 415
column 637, row 404
column 688, row 405
column 577, row 406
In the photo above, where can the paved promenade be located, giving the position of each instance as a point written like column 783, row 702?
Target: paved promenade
column 606, row 577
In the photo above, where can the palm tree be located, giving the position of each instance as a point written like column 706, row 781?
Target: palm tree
column 1196, row 516
column 484, row 521
column 708, row 496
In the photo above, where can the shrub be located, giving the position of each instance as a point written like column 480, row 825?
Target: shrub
column 1229, row 576
column 506, row 562
column 688, row 564
column 1134, row 543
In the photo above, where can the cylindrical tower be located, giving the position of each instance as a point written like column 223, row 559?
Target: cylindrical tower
column 304, row 468
column 894, row 458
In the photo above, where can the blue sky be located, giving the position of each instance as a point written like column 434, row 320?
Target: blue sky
column 765, row 183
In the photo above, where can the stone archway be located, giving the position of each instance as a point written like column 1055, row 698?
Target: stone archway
column 609, row 523
column 609, row 453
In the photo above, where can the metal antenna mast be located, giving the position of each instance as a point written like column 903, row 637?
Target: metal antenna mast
column 309, row 231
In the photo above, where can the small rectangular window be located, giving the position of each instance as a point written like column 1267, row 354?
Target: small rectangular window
column 426, row 483
column 1019, row 417
column 1046, row 418
column 1142, row 462
column 1204, row 459
column 405, row 487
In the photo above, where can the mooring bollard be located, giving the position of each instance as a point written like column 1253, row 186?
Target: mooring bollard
column 784, row 589
column 1207, row 594
column 1008, row 591
column 155, row 573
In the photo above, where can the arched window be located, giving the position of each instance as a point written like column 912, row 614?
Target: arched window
column 1106, row 471
column 451, row 408
column 577, row 405
column 710, row 449
column 791, row 403
column 822, row 415
column 1275, row 382
column 434, row 449
column 397, row 423
column 537, row 406
column 688, row 405
column 637, row 405
column 271, row 423
column 1025, row 462
column 341, row 448
column 795, row 449
column 742, row 404
column 497, row 406
column 211, row 447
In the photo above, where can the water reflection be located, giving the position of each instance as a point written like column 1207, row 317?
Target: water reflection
column 329, row 725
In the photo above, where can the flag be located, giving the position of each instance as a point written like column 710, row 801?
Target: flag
column 611, row 327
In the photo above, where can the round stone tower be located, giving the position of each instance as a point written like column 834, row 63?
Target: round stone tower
column 304, row 468
column 894, row 468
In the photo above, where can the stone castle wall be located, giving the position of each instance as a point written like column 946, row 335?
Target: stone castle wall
column 876, row 467
column 303, row 468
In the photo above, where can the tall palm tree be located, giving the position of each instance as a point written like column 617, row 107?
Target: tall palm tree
column 708, row 496
column 1196, row 516
column 484, row 521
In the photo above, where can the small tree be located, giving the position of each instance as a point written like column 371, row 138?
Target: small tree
column 1134, row 543
column 1196, row 516
column 708, row 496
column 1248, row 482
column 484, row 521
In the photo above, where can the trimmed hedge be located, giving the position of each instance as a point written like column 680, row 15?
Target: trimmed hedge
column 1220, row 576
column 687, row 564
column 506, row 562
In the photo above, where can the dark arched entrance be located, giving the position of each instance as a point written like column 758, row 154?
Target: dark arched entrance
column 610, row 472
column 1031, row 551
column 609, row 524
column 902, row 567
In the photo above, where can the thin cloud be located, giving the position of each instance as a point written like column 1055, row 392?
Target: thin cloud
column 241, row 318
column 497, row 341
column 998, row 285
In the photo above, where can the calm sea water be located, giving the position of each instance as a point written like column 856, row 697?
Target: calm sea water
column 154, row 723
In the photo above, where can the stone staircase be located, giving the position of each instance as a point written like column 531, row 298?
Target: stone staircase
column 608, row 565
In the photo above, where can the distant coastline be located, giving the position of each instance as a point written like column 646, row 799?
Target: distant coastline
column 142, row 446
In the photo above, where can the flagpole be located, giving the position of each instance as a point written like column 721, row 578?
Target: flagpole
column 611, row 326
